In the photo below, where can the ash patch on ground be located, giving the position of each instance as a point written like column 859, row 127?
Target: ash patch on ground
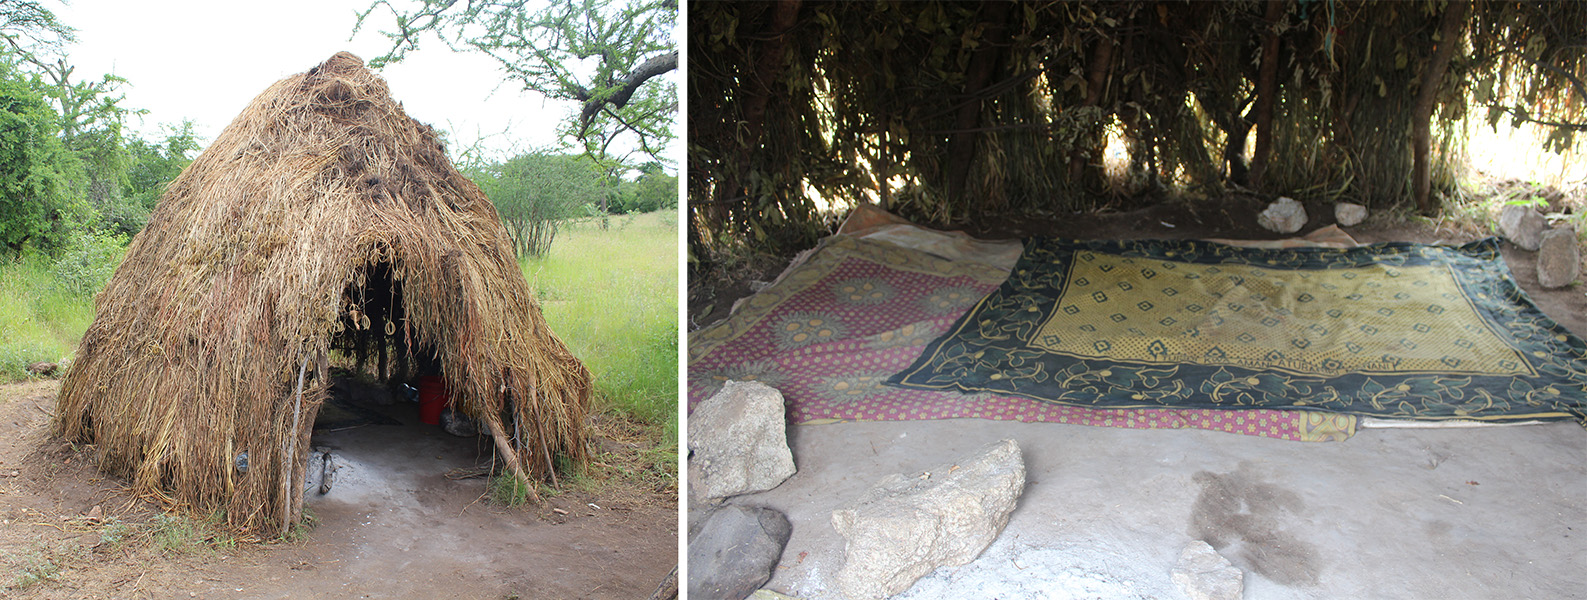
column 1241, row 510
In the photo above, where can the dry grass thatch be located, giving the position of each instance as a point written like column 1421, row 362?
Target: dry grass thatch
column 213, row 336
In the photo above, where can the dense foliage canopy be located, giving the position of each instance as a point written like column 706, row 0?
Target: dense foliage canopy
column 948, row 110
column 70, row 179
column 606, row 55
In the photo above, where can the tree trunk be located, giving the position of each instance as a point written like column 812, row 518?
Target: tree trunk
column 382, row 373
column 769, row 66
column 360, row 346
column 1096, row 81
column 1449, row 27
column 1266, row 94
column 1234, row 149
column 961, row 144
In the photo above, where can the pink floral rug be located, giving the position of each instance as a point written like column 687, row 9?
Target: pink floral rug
column 833, row 327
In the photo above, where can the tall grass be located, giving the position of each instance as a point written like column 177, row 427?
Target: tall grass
column 612, row 296
column 40, row 319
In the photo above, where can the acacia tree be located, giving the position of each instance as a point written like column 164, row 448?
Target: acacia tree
column 27, row 24
column 606, row 55
column 535, row 192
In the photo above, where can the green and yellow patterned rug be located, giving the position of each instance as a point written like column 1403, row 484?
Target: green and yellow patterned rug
column 1392, row 330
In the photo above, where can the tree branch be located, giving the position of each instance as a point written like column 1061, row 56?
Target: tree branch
column 620, row 95
column 1524, row 116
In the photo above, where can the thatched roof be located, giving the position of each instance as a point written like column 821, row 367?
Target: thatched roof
column 234, row 291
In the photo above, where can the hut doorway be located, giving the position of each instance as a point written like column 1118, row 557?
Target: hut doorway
column 386, row 429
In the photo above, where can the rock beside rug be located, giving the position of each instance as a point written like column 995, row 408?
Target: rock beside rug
column 1284, row 215
column 739, row 441
column 1522, row 225
column 1349, row 214
column 907, row 525
column 1558, row 258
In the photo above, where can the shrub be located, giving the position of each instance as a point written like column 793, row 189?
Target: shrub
column 88, row 261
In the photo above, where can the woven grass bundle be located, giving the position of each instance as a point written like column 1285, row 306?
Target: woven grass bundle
column 212, row 337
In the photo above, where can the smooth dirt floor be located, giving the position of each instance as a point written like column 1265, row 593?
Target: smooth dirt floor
column 1495, row 512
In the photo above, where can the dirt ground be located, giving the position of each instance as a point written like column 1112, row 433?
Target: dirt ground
column 1390, row 514
column 392, row 526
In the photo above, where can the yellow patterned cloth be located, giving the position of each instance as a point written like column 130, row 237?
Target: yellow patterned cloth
column 832, row 328
column 1395, row 330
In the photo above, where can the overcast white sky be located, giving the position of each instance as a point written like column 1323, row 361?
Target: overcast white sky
column 205, row 60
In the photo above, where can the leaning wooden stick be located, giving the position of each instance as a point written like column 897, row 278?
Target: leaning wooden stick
column 511, row 456
column 534, row 400
column 668, row 590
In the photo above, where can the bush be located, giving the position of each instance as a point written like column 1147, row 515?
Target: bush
column 88, row 261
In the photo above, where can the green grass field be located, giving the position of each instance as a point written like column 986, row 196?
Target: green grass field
column 612, row 296
column 39, row 319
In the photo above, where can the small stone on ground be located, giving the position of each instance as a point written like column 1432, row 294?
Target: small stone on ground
column 1522, row 225
column 1348, row 214
column 1203, row 574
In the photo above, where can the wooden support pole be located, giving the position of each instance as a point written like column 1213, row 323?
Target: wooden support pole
column 510, row 455
column 1096, row 88
column 383, row 376
column 289, row 466
column 534, row 400
column 978, row 73
column 360, row 345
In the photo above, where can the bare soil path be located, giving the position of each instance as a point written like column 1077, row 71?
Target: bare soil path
column 393, row 526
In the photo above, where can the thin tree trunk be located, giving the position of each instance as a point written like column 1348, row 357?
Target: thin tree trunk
column 381, row 364
column 1266, row 93
column 961, row 144
column 1449, row 27
column 769, row 66
column 360, row 345
column 1096, row 82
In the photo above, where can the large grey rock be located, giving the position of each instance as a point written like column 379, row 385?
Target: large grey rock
column 1522, row 225
column 1558, row 258
column 1284, row 215
column 1347, row 214
column 1203, row 574
column 739, row 439
column 908, row 525
column 735, row 551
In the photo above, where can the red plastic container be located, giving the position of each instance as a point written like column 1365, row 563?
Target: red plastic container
column 432, row 399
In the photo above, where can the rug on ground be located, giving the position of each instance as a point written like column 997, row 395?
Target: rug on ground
column 831, row 329
column 1396, row 330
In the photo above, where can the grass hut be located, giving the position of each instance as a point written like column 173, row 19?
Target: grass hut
column 321, row 213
